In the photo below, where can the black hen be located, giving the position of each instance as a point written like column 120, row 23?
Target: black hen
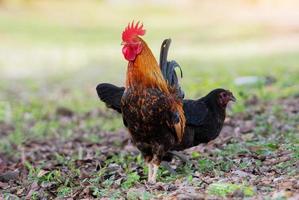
column 204, row 118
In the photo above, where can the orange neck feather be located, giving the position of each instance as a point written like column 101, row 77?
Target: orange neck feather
column 144, row 71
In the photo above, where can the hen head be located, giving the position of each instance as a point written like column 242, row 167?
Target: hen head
column 224, row 97
column 221, row 97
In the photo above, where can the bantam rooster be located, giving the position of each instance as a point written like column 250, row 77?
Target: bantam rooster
column 151, row 109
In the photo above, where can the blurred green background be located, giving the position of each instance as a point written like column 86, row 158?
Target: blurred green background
column 53, row 53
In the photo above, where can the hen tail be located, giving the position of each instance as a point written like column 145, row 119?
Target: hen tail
column 110, row 95
column 168, row 69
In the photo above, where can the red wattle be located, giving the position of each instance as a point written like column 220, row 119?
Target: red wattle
column 131, row 51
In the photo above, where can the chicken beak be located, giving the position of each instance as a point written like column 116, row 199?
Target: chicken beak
column 232, row 98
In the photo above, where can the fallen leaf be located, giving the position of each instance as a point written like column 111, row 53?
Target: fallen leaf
column 42, row 173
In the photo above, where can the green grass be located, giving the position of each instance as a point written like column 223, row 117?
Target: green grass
column 223, row 189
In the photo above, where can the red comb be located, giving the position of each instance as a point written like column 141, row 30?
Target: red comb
column 132, row 31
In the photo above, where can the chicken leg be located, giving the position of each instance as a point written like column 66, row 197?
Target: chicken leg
column 150, row 172
column 155, row 173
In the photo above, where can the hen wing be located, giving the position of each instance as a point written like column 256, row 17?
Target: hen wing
column 195, row 112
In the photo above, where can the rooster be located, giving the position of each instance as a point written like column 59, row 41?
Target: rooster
column 151, row 109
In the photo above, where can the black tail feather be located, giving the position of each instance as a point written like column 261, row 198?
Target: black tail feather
column 163, row 56
column 168, row 68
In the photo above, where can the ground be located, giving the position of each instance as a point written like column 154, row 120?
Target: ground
column 57, row 140
column 255, row 156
